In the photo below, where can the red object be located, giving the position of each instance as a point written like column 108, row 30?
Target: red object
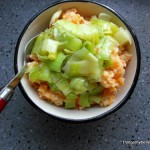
column 2, row 104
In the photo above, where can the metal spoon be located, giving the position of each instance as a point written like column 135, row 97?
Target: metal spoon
column 7, row 92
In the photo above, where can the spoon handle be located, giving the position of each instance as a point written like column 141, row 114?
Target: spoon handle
column 5, row 95
column 2, row 104
column 7, row 92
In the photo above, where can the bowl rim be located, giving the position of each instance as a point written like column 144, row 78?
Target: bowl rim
column 128, row 94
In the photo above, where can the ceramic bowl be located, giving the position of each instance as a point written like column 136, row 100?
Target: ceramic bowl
column 38, row 23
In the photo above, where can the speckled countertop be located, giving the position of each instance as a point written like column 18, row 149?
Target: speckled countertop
column 22, row 127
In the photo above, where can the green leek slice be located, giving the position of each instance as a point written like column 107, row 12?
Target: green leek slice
column 56, row 64
column 89, row 46
column 42, row 73
column 86, row 32
column 63, row 85
column 84, row 100
column 104, row 16
column 70, row 101
column 94, row 99
column 50, row 48
column 123, row 36
column 106, row 45
column 78, row 84
column 97, row 90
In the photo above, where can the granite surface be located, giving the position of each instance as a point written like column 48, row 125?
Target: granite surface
column 22, row 127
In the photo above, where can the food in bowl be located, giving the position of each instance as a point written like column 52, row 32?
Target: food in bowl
column 79, row 61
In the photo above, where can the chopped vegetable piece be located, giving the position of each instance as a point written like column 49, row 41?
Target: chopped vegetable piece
column 49, row 47
column 54, row 88
column 83, row 31
column 78, row 84
column 37, row 43
column 71, row 96
column 66, row 51
column 56, row 64
column 55, row 17
column 123, row 36
column 65, row 76
column 94, row 17
column 114, row 28
column 70, row 100
column 105, row 27
column 41, row 73
column 72, row 43
column 55, row 77
column 108, row 63
column 97, row 90
column 58, row 36
column 48, row 33
column 91, row 86
column 70, row 103
column 89, row 46
column 84, row 100
column 101, row 63
column 105, row 47
column 63, row 85
column 79, row 68
column 32, row 66
column 42, row 58
column 104, row 16
column 94, row 99
column 84, row 54
column 78, row 62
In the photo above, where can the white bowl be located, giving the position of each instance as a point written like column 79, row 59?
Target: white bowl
column 38, row 23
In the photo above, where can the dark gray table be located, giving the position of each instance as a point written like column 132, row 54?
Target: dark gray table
column 22, row 127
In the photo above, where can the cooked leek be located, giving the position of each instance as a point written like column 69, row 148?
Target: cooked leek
column 104, row 16
column 78, row 84
column 50, row 48
column 72, row 43
column 84, row 100
column 70, row 101
column 105, row 47
column 97, row 90
column 89, row 46
column 123, row 36
column 55, row 77
column 37, row 43
column 55, row 17
column 56, row 64
column 41, row 73
column 54, row 88
column 42, row 58
column 86, row 32
column 63, row 85
column 106, row 28
column 94, row 99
